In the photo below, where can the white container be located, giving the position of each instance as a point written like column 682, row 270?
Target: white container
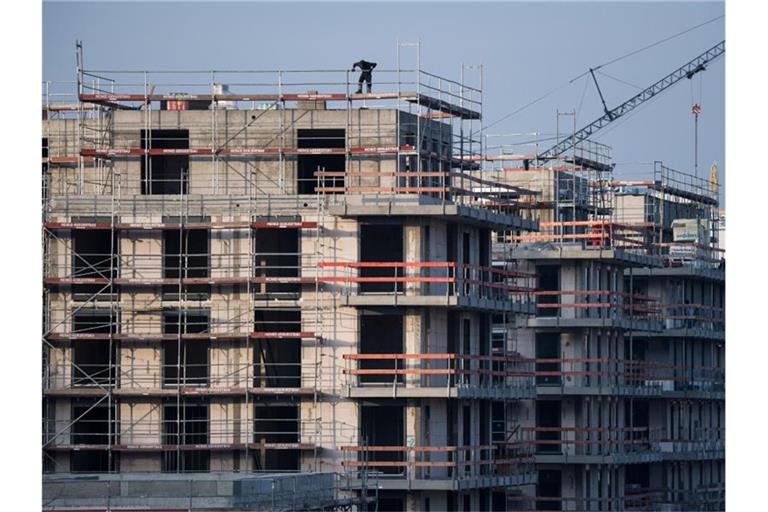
column 220, row 89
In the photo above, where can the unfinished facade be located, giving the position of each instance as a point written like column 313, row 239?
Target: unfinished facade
column 281, row 280
column 628, row 335
column 288, row 296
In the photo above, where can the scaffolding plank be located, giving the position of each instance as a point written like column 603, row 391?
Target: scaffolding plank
column 444, row 106
column 281, row 224
column 283, row 335
column 212, row 281
column 273, row 151
column 148, row 226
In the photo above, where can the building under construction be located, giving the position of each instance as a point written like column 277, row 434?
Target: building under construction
column 263, row 290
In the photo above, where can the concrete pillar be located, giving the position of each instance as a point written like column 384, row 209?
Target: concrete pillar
column 62, row 418
column 413, row 437
column 59, row 367
column 412, row 252
column 569, row 350
column 568, row 276
column 414, row 344
column 230, row 364
column 141, row 423
column 229, row 249
column 141, row 252
column 568, row 423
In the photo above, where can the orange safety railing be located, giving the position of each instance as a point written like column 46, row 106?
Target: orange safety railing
column 606, row 304
column 635, row 237
column 441, row 462
column 432, row 278
column 439, row 370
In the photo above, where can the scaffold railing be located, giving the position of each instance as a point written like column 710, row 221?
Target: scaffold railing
column 138, row 375
column 252, row 89
column 261, row 428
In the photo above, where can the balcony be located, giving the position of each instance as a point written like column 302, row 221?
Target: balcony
column 695, row 444
column 596, row 308
column 430, row 283
column 449, row 468
column 625, row 377
column 622, row 243
column 594, row 445
column 438, row 376
column 445, row 194
column 691, row 321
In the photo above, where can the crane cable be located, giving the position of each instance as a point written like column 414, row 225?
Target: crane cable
column 629, row 54
column 647, row 47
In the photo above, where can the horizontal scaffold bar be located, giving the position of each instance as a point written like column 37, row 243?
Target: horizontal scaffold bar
column 137, row 151
column 263, row 224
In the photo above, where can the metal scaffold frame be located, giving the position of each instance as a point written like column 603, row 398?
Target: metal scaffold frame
column 434, row 140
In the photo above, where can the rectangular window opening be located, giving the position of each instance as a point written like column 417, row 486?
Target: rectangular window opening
column 308, row 164
column 93, row 253
column 548, row 347
column 276, row 424
column 383, row 425
column 548, row 417
column 186, row 424
column 276, row 255
column 277, row 361
column 93, row 363
column 186, row 362
column 164, row 174
column 381, row 243
column 93, row 428
column 549, row 486
column 186, row 253
column 381, row 334
column 549, row 281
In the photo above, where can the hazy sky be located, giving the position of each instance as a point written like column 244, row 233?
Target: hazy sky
column 527, row 49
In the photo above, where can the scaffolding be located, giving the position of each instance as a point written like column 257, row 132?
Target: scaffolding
column 188, row 211
column 679, row 214
column 567, row 194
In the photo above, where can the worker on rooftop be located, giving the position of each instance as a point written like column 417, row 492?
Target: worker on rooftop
column 365, row 75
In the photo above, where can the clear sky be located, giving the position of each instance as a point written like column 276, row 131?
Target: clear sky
column 527, row 49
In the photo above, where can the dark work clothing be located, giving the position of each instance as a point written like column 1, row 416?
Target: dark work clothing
column 365, row 75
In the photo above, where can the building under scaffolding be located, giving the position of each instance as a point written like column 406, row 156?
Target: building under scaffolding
column 280, row 275
column 263, row 290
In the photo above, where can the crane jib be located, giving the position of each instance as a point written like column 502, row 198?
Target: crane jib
column 686, row 71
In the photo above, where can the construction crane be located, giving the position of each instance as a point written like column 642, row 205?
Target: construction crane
column 688, row 70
